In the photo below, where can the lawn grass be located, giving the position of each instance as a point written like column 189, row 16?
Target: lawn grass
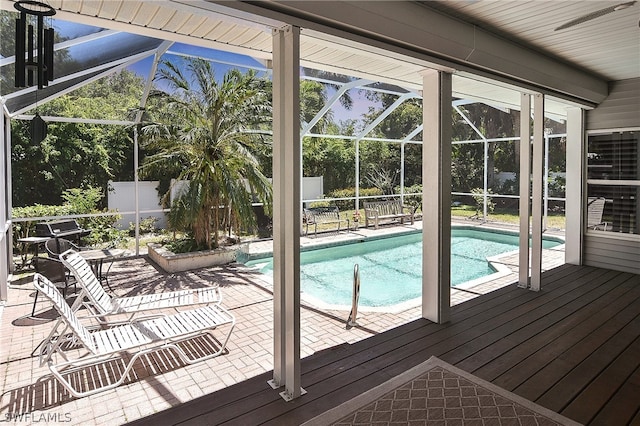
column 554, row 220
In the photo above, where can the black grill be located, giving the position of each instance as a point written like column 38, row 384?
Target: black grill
column 61, row 229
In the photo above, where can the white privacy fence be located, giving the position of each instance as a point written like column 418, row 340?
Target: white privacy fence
column 122, row 198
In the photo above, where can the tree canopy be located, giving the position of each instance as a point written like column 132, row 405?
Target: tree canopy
column 205, row 129
column 75, row 155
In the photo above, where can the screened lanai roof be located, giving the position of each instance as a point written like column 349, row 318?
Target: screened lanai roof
column 78, row 60
column 89, row 51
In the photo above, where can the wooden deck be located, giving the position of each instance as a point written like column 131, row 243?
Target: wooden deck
column 574, row 348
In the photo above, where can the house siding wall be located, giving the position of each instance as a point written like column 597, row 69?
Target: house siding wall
column 620, row 110
column 606, row 252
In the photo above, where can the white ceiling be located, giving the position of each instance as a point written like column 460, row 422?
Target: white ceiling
column 607, row 46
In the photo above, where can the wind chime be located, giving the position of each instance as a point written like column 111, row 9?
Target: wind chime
column 34, row 54
column 30, row 40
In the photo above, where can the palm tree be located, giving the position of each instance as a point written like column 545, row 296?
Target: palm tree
column 208, row 130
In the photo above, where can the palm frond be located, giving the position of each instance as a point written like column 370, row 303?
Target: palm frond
column 201, row 136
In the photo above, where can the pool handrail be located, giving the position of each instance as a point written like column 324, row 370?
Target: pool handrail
column 351, row 321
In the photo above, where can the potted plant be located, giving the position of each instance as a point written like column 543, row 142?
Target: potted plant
column 356, row 219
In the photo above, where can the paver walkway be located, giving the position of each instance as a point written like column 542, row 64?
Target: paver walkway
column 29, row 394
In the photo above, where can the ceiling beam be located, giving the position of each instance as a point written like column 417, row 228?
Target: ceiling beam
column 417, row 31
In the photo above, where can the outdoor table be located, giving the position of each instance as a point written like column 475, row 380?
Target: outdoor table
column 97, row 257
column 26, row 241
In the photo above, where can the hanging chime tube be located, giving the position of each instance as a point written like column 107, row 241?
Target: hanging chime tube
column 20, row 50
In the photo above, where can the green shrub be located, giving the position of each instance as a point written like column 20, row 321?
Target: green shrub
column 147, row 226
column 77, row 201
column 86, row 201
column 478, row 197
column 351, row 193
column 104, row 231
column 508, row 187
column 82, row 200
column 557, row 186
column 315, row 204
column 28, row 228
column 414, row 201
column 185, row 244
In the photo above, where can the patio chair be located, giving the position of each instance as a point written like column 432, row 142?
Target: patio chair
column 595, row 210
column 99, row 303
column 55, row 271
column 137, row 338
column 55, row 246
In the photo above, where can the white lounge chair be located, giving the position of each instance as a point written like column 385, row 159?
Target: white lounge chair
column 595, row 210
column 100, row 303
column 138, row 338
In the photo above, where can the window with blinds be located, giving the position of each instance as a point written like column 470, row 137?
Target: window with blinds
column 613, row 182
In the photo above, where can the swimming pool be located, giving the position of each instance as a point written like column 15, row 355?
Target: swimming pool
column 391, row 268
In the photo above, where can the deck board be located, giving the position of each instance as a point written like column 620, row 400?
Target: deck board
column 520, row 363
column 606, row 386
column 521, row 328
column 623, row 407
column 563, row 365
column 574, row 347
column 567, row 388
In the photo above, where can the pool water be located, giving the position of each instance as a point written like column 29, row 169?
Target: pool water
column 391, row 268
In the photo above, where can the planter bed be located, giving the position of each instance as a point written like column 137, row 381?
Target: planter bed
column 172, row 262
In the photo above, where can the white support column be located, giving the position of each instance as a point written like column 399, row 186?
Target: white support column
column 136, row 184
column 537, row 193
column 286, row 211
column 436, row 192
column 545, row 183
column 485, row 181
column 279, row 95
column 525, row 181
column 8, row 216
column 402, row 144
column 357, row 160
column 575, row 186
column 6, row 249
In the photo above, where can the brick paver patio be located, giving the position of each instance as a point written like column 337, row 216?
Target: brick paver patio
column 30, row 394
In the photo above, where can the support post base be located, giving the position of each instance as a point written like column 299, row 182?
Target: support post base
column 288, row 397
